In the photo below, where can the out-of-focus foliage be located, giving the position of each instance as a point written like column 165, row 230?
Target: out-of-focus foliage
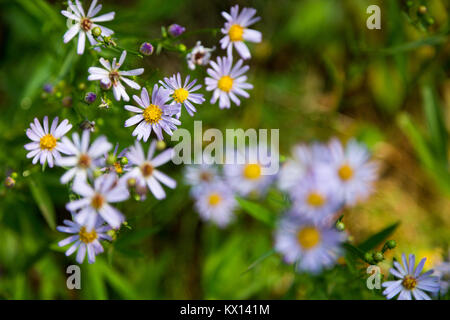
column 319, row 72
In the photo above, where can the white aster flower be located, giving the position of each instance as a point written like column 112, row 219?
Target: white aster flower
column 83, row 158
column 236, row 31
column 411, row 283
column 310, row 245
column 216, row 203
column 227, row 81
column 199, row 56
column 84, row 240
column 85, row 22
column 46, row 145
column 245, row 172
column 111, row 75
column 352, row 169
column 95, row 202
column 183, row 93
column 143, row 169
column 156, row 114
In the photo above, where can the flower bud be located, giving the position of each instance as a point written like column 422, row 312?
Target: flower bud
column 146, row 49
column 90, row 97
column 97, row 173
column 160, row 145
column 340, row 226
column 378, row 256
column 182, row 47
column 131, row 182
column 124, row 161
column 111, row 159
column 176, row 30
column 391, row 244
column 10, row 182
column 48, row 88
column 368, row 256
column 82, row 86
column 96, row 32
column 422, row 10
column 14, row 175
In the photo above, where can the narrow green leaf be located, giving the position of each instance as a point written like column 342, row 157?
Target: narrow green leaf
column 356, row 252
column 378, row 237
column 117, row 282
column 257, row 211
column 43, row 200
column 259, row 260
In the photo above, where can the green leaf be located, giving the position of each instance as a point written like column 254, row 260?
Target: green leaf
column 356, row 252
column 117, row 282
column 43, row 200
column 257, row 211
column 378, row 237
column 259, row 260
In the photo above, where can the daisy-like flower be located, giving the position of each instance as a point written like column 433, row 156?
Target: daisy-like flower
column 183, row 93
column 83, row 239
column 352, row 169
column 85, row 22
column 143, row 169
column 236, row 31
column 83, row 158
column 316, row 197
column 245, row 172
column 95, row 202
column 156, row 114
column 111, row 75
column 200, row 176
column 46, row 146
column 216, row 204
column 199, row 56
column 227, row 81
column 411, row 283
column 311, row 246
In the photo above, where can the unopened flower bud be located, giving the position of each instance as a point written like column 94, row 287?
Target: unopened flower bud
column 111, row 159
column 90, row 97
column 422, row 10
column 10, row 182
column 378, row 256
column 146, row 49
column 14, row 175
column 124, row 161
column 96, row 32
column 131, row 182
column 82, row 86
column 97, row 173
column 48, row 88
column 160, row 145
column 182, row 47
column 176, row 30
column 368, row 256
column 391, row 244
column 340, row 226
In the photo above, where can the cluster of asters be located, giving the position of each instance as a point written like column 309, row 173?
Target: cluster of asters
column 98, row 182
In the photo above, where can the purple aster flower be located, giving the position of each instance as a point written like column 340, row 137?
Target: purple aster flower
column 90, row 97
column 176, row 30
column 146, row 49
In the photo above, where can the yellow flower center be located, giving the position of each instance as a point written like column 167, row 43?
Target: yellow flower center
column 252, row 171
column 225, row 83
column 345, row 172
column 180, row 95
column 147, row 169
column 118, row 167
column 236, row 32
column 87, row 237
column 214, row 199
column 308, row 237
column 97, row 201
column 84, row 161
column 315, row 199
column 48, row 142
column 152, row 114
column 409, row 282
column 86, row 24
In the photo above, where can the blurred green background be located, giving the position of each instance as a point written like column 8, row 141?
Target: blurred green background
column 318, row 73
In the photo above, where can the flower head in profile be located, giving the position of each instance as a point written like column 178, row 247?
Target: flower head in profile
column 216, row 203
column 312, row 246
column 144, row 169
column 83, row 157
column 411, row 282
column 236, row 31
column 199, row 56
column 111, row 75
column 227, row 81
column 83, row 240
column 83, row 23
column 156, row 115
column 183, row 93
column 46, row 145
column 94, row 205
column 352, row 170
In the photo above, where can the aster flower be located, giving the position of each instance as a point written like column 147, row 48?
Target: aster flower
column 176, row 30
column 156, row 114
column 236, row 31
column 183, row 93
column 111, row 75
column 443, row 272
column 245, row 172
column 216, row 203
column 227, row 81
column 46, row 145
column 83, row 158
column 315, row 196
column 143, row 169
column 85, row 22
column 200, row 176
column 310, row 245
column 84, row 240
column 199, row 55
column 95, row 202
column 352, row 170
column 412, row 283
